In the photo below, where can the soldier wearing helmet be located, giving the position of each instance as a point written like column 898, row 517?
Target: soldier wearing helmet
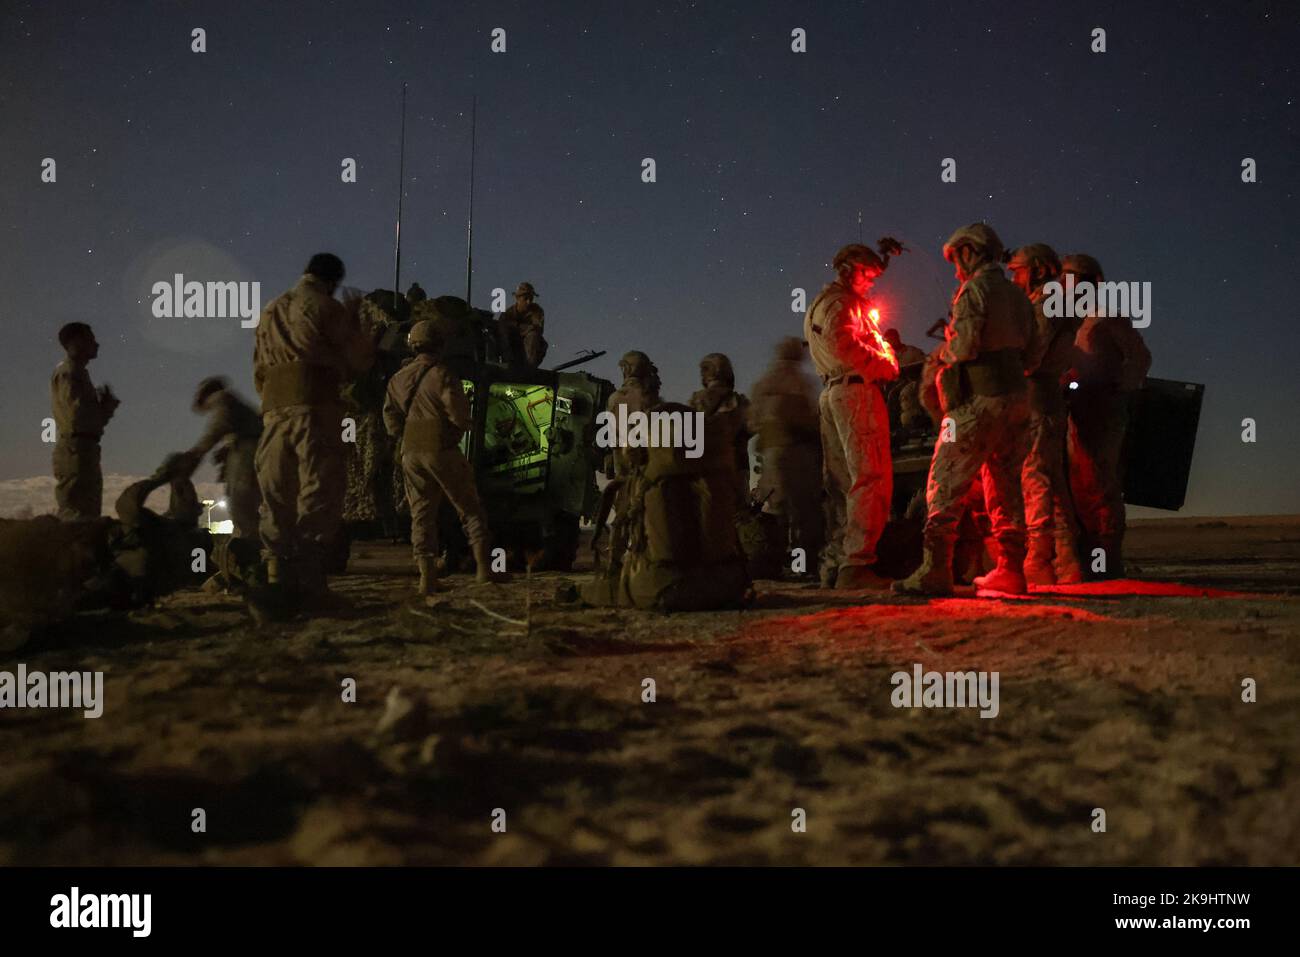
column 982, row 388
column 233, row 431
column 729, row 411
column 1111, row 361
column 852, row 360
column 1049, row 512
column 308, row 344
column 638, row 393
column 425, row 405
column 520, row 329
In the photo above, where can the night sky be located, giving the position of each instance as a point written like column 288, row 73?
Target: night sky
column 225, row 165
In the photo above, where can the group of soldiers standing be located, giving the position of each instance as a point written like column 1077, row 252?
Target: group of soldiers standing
column 284, row 467
column 996, row 387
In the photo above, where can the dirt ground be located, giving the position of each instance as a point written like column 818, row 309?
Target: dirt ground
column 1126, row 697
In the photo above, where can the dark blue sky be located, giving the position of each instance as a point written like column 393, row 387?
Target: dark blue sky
column 225, row 165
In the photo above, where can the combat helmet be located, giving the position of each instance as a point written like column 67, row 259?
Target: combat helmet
column 979, row 235
column 1035, row 255
column 211, row 384
column 425, row 336
column 1083, row 266
column 716, row 367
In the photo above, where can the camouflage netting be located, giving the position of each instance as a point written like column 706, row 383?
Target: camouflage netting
column 375, row 495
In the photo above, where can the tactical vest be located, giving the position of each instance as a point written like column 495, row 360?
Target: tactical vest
column 683, row 552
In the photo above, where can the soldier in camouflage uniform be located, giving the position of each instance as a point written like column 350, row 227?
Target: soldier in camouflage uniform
column 233, row 431
column 426, row 405
column 720, row 401
column 1111, row 362
column 853, row 359
column 521, row 328
column 982, row 384
column 783, row 414
column 80, row 413
column 374, row 478
column 1049, row 513
column 639, row 393
column 307, row 345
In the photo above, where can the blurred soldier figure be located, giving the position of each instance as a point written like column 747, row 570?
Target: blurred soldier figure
column 1111, row 362
column 853, row 359
column 426, row 405
column 80, row 413
column 521, row 326
column 905, row 354
column 416, row 294
column 155, row 554
column 720, row 401
column 639, row 393
column 982, row 388
column 783, row 414
column 233, row 431
column 1049, row 513
column 307, row 345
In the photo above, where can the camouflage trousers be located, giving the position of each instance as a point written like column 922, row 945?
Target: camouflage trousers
column 243, row 494
column 78, row 478
column 857, row 472
column 791, row 490
column 1049, row 509
column 989, row 433
column 431, row 476
column 301, row 474
column 1098, row 421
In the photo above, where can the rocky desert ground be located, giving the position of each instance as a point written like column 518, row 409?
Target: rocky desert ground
column 1126, row 696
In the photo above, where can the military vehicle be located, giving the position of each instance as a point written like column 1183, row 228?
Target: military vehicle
column 532, row 445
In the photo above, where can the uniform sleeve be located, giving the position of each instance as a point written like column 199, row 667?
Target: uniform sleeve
column 353, row 346
column 455, row 401
column 394, row 417
column 841, row 332
column 1040, row 337
column 220, row 424
column 78, row 396
column 1137, row 357
column 965, row 331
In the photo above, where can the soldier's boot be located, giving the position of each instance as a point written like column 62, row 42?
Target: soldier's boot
column 934, row 577
column 850, row 577
column 1038, row 568
column 483, row 562
column 429, row 583
column 314, row 594
column 967, row 559
column 1066, row 563
column 1009, row 575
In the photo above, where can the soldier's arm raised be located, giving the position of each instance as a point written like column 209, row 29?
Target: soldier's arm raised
column 456, row 403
